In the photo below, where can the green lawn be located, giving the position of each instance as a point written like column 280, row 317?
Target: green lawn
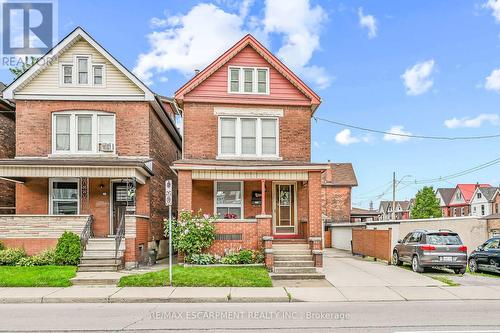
column 202, row 277
column 37, row 276
column 485, row 274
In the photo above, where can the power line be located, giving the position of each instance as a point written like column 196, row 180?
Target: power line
column 448, row 138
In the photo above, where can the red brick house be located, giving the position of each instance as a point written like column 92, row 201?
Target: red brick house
column 461, row 199
column 7, row 150
column 93, row 150
column 247, row 152
column 336, row 187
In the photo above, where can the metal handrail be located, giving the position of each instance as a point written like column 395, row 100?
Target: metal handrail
column 120, row 233
column 87, row 233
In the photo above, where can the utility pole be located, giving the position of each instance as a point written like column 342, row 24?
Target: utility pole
column 394, row 195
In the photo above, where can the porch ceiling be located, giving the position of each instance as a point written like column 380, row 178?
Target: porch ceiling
column 249, row 175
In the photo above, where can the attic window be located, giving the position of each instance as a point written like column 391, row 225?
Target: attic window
column 82, row 72
column 67, row 74
column 248, row 80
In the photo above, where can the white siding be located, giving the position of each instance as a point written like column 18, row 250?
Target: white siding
column 47, row 82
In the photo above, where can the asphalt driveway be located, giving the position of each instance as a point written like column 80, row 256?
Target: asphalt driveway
column 344, row 270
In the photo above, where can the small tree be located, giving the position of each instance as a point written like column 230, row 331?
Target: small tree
column 426, row 204
column 26, row 64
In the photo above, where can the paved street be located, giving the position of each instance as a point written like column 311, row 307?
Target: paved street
column 344, row 317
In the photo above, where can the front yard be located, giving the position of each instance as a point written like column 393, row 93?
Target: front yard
column 202, row 277
column 36, row 276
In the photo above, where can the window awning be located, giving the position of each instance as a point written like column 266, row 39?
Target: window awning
column 18, row 169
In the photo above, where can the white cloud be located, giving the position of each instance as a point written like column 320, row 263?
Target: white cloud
column 494, row 5
column 473, row 122
column 397, row 138
column 369, row 22
column 346, row 138
column 417, row 79
column 493, row 81
column 186, row 42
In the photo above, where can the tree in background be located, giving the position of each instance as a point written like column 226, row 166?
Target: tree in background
column 426, row 204
column 26, row 64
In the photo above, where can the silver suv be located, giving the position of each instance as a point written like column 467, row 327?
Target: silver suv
column 431, row 248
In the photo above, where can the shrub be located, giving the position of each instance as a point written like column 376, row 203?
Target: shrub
column 11, row 257
column 68, row 249
column 230, row 259
column 44, row 258
column 2, row 247
column 259, row 257
column 191, row 234
column 245, row 257
column 201, row 259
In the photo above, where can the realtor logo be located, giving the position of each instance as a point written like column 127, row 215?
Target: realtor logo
column 28, row 27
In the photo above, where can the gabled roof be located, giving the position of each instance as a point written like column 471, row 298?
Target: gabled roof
column 361, row 211
column 468, row 190
column 446, row 194
column 339, row 174
column 386, row 204
column 249, row 40
column 57, row 50
column 487, row 192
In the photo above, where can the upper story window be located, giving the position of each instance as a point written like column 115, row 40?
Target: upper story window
column 82, row 132
column 82, row 72
column 479, row 195
column 248, row 80
column 248, row 137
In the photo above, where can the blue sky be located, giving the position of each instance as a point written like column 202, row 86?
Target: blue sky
column 355, row 55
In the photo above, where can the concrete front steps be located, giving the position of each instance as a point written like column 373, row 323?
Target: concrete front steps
column 293, row 260
column 99, row 256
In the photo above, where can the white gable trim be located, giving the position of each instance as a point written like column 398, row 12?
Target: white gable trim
column 10, row 91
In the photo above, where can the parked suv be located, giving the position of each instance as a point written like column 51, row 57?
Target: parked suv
column 486, row 257
column 431, row 248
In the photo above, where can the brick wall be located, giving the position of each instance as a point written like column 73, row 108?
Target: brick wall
column 201, row 128
column 336, row 202
column 315, row 220
column 250, row 239
column 7, row 150
column 34, row 119
column 185, row 190
column 164, row 152
column 32, row 196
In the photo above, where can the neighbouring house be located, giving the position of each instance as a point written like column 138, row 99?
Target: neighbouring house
column 93, row 150
column 364, row 215
column 7, row 150
column 336, row 186
column 402, row 211
column 460, row 200
column 444, row 195
column 484, row 201
column 247, row 152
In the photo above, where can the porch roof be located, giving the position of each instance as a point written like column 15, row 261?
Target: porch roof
column 19, row 168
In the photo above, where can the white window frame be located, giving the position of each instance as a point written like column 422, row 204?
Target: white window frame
column 73, row 131
column 77, row 70
column 61, row 74
column 242, row 206
column 67, row 180
column 241, row 81
column 94, row 65
column 238, row 141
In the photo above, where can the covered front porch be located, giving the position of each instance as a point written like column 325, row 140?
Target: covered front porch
column 255, row 203
column 102, row 199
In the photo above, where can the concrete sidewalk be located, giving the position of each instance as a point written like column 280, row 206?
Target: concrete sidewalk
column 80, row 294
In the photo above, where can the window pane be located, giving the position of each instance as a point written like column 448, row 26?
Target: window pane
column 269, row 146
column 235, row 86
column 83, row 71
column 248, row 139
column 97, row 74
column 68, row 79
column 262, row 73
column 65, row 190
column 68, row 74
column 268, row 127
column 228, row 126
column 248, row 82
column 229, row 193
column 262, row 87
column 85, row 133
column 227, row 145
column 65, row 207
column 235, row 80
column 228, row 135
column 269, row 136
column 261, row 81
column 67, row 70
column 106, row 129
column 62, row 132
column 235, row 74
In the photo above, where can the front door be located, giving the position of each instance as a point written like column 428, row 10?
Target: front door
column 284, row 209
column 120, row 202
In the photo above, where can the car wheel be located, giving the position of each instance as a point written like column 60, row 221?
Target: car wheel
column 395, row 259
column 473, row 266
column 459, row 270
column 415, row 265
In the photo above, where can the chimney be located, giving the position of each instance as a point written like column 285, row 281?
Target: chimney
column 477, row 184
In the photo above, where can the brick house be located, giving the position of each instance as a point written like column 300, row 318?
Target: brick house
column 484, row 201
column 402, row 211
column 461, row 199
column 444, row 196
column 247, row 152
column 93, row 150
column 7, row 150
column 336, row 186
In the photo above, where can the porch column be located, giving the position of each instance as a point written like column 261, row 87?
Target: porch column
column 263, row 198
column 315, row 223
column 185, row 190
column 265, row 228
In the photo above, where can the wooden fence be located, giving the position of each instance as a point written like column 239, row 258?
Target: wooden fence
column 373, row 243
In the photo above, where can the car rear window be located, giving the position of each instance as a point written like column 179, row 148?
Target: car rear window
column 443, row 239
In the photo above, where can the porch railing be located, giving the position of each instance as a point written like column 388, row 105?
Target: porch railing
column 86, row 233
column 120, row 234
